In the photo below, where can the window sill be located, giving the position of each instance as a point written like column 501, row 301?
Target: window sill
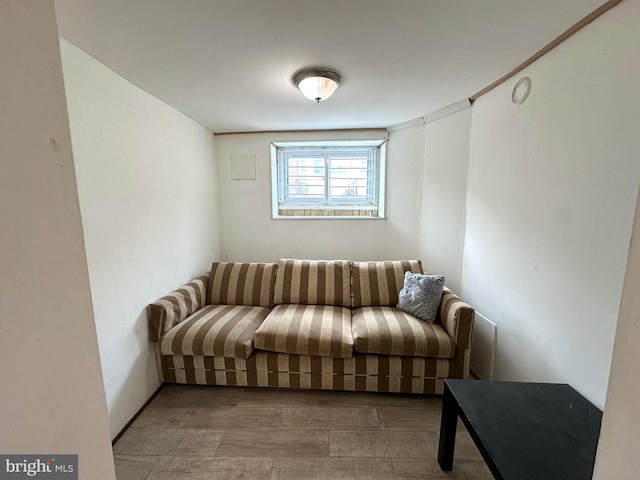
column 327, row 217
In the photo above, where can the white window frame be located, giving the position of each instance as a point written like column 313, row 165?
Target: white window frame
column 321, row 209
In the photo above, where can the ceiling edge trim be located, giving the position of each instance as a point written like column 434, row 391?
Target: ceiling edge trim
column 550, row 46
column 407, row 124
column 432, row 117
column 317, row 130
column 446, row 111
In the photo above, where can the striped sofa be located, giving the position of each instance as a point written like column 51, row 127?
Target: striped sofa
column 308, row 324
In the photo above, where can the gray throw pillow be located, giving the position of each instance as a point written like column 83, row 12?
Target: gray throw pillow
column 421, row 295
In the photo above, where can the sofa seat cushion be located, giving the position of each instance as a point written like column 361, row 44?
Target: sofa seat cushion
column 390, row 331
column 319, row 330
column 221, row 330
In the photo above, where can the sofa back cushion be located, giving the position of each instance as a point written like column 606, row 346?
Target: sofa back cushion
column 232, row 283
column 313, row 282
column 379, row 283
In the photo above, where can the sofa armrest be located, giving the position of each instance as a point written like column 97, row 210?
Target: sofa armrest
column 456, row 317
column 171, row 309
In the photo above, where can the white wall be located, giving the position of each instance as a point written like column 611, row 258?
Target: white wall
column 250, row 234
column 552, row 190
column 617, row 457
column 444, row 192
column 51, row 400
column 147, row 188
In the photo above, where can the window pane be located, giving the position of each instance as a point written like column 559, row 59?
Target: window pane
column 304, row 179
column 349, row 162
column 306, row 166
column 348, row 179
column 305, row 186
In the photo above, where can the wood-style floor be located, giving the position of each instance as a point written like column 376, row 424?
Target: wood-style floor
column 197, row 433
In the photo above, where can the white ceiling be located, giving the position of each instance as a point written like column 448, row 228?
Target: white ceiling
column 228, row 63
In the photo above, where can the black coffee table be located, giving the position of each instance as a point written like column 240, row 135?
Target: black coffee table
column 524, row 431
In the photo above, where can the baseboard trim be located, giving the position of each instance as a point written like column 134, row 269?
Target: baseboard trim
column 137, row 414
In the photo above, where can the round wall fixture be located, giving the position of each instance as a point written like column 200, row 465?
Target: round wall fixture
column 521, row 90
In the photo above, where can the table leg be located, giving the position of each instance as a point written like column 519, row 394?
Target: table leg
column 448, row 425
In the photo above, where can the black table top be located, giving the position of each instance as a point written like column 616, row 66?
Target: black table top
column 537, row 431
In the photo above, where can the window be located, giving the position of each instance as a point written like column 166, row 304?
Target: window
column 328, row 179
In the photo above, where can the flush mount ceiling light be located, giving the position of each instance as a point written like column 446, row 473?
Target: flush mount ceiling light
column 317, row 83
